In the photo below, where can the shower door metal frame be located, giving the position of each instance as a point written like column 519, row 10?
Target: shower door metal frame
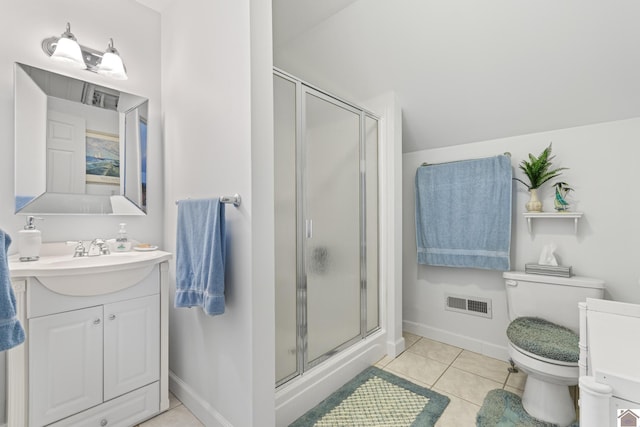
column 302, row 88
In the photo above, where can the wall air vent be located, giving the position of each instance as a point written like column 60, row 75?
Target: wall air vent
column 469, row 305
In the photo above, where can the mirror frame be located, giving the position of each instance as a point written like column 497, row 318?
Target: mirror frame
column 38, row 94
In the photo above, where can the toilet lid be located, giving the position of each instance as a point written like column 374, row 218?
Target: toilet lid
column 544, row 338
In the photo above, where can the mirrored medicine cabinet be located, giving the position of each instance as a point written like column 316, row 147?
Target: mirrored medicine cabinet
column 80, row 148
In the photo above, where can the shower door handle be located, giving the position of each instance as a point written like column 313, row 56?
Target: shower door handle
column 308, row 225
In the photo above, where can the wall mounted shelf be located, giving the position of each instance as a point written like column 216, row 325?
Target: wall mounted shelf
column 553, row 215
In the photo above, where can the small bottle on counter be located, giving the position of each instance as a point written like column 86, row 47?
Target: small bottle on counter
column 122, row 241
column 29, row 241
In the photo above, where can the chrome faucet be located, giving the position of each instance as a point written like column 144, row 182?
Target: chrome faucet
column 98, row 247
column 80, row 250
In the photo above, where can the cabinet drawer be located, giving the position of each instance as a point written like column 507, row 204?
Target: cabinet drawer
column 124, row 411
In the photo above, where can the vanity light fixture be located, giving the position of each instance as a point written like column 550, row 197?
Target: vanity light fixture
column 66, row 48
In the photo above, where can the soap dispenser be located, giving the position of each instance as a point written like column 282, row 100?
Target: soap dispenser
column 29, row 241
column 122, row 242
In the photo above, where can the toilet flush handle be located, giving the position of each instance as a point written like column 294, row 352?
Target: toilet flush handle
column 511, row 283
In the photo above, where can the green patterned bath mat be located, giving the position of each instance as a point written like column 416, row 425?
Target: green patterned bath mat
column 376, row 398
column 502, row 408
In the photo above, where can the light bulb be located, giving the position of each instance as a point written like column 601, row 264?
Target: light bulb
column 111, row 64
column 68, row 50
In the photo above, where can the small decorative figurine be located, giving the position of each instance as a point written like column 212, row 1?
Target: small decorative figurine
column 559, row 202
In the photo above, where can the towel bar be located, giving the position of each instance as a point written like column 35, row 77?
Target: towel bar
column 235, row 200
column 506, row 153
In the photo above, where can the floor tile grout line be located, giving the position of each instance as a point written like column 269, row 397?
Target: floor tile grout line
column 447, row 369
column 448, row 394
column 480, row 375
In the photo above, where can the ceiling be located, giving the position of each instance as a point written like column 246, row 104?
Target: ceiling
column 466, row 71
column 157, row 5
column 293, row 17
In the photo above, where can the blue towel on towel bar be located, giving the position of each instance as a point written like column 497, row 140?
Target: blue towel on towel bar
column 11, row 332
column 463, row 213
column 200, row 255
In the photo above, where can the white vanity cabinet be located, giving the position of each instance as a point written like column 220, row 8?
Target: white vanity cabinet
column 80, row 358
column 90, row 360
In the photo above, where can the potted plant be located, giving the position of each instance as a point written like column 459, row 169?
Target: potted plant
column 538, row 170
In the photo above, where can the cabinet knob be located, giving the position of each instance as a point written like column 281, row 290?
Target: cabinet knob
column 103, row 422
column 96, row 322
column 112, row 317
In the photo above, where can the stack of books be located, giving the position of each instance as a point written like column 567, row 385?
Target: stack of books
column 548, row 270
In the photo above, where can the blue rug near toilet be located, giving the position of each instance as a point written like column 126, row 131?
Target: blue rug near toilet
column 504, row 409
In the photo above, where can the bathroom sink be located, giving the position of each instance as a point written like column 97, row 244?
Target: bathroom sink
column 60, row 272
column 66, row 261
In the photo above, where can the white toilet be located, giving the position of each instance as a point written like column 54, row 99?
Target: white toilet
column 541, row 307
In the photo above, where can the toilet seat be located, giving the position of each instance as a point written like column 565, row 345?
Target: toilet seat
column 553, row 371
column 544, row 359
column 544, row 339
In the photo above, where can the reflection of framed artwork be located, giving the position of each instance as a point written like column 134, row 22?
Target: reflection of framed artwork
column 103, row 158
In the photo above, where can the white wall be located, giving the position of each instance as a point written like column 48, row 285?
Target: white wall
column 603, row 162
column 135, row 30
column 218, row 135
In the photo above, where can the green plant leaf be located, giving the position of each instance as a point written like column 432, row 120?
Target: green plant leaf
column 537, row 169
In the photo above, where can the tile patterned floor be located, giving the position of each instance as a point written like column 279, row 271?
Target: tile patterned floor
column 465, row 377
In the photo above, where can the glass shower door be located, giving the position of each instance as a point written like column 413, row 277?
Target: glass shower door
column 331, row 225
column 326, row 226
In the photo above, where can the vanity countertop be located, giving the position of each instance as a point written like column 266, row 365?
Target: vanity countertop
column 59, row 271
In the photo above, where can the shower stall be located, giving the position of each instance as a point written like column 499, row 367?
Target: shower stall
column 326, row 230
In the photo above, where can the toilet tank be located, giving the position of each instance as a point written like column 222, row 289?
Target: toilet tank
column 552, row 298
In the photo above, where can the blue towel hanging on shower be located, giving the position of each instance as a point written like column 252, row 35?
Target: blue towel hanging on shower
column 463, row 213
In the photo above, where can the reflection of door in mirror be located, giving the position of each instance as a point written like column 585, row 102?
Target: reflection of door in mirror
column 65, row 153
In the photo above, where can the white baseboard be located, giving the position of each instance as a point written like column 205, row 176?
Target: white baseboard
column 198, row 406
column 462, row 341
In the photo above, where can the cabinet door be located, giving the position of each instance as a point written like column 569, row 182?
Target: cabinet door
column 131, row 345
column 65, row 364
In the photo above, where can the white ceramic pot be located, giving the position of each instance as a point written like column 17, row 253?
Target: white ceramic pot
column 534, row 204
